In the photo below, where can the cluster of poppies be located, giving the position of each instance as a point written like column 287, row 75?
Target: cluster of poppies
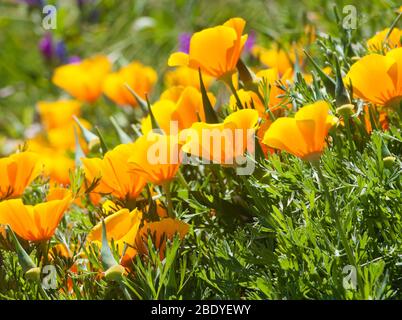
column 258, row 110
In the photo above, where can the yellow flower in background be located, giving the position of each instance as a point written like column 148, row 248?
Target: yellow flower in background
column 17, row 171
column 63, row 138
column 308, row 77
column 187, row 110
column 304, row 135
column 121, row 227
column 162, row 111
column 273, row 93
column 275, row 57
column 172, row 93
column 138, row 77
column 34, row 223
column 376, row 43
column 113, row 171
column 56, row 163
column 214, row 50
column 185, row 76
column 83, row 80
column 55, row 114
column 160, row 232
column 219, row 142
column 156, row 157
column 377, row 79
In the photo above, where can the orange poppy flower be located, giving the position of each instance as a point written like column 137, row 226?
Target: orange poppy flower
column 56, row 163
column 273, row 94
column 160, row 232
column 58, row 113
column 121, row 227
column 140, row 78
column 186, row 77
column 378, row 79
column 83, row 80
column 219, row 142
column 376, row 43
column 187, row 110
column 156, row 157
column 17, row 172
column 34, row 223
column 304, row 135
column 214, row 50
column 114, row 174
column 275, row 57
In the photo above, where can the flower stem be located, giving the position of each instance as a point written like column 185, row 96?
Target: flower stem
column 169, row 204
column 229, row 81
column 339, row 228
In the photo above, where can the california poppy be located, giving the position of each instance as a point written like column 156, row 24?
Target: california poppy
column 121, row 228
column 214, row 50
column 377, row 78
column 185, row 76
column 156, row 157
column 17, row 172
column 34, row 223
column 185, row 111
column 221, row 142
column 113, row 172
column 138, row 77
column 275, row 57
column 376, row 43
column 83, row 80
column 55, row 114
column 160, row 232
column 304, row 135
column 268, row 81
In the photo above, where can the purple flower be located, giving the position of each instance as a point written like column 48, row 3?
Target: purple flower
column 250, row 41
column 61, row 52
column 46, row 46
column 184, row 42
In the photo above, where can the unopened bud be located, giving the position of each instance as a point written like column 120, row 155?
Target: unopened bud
column 115, row 273
column 389, row 161
column 33, row 274
column 345, row 110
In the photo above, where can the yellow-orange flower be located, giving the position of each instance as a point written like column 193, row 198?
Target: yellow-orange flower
column 83, row 80
column 160, row 232
column 214, row 50
column 34, row 223
column 304, row 135
column 56, row 163
column 187, row 110
column 156, row 157
column 58, row 113
column 17, row 172
column 273, row 92
column 376, row 78
column 121, row 227
column 376, row 43
column 184, row 76
column 140, row 78
column 113, row 171
column 220, row 142
column 275, row 57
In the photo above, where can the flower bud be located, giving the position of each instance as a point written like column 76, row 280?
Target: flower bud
column 389, row 161
column 33, row 274
column 345, row 110
column 115, row 273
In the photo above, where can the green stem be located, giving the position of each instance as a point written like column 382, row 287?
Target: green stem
column 229, row 82
column 169, row 204
column 339, row 228
column 182, row 180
